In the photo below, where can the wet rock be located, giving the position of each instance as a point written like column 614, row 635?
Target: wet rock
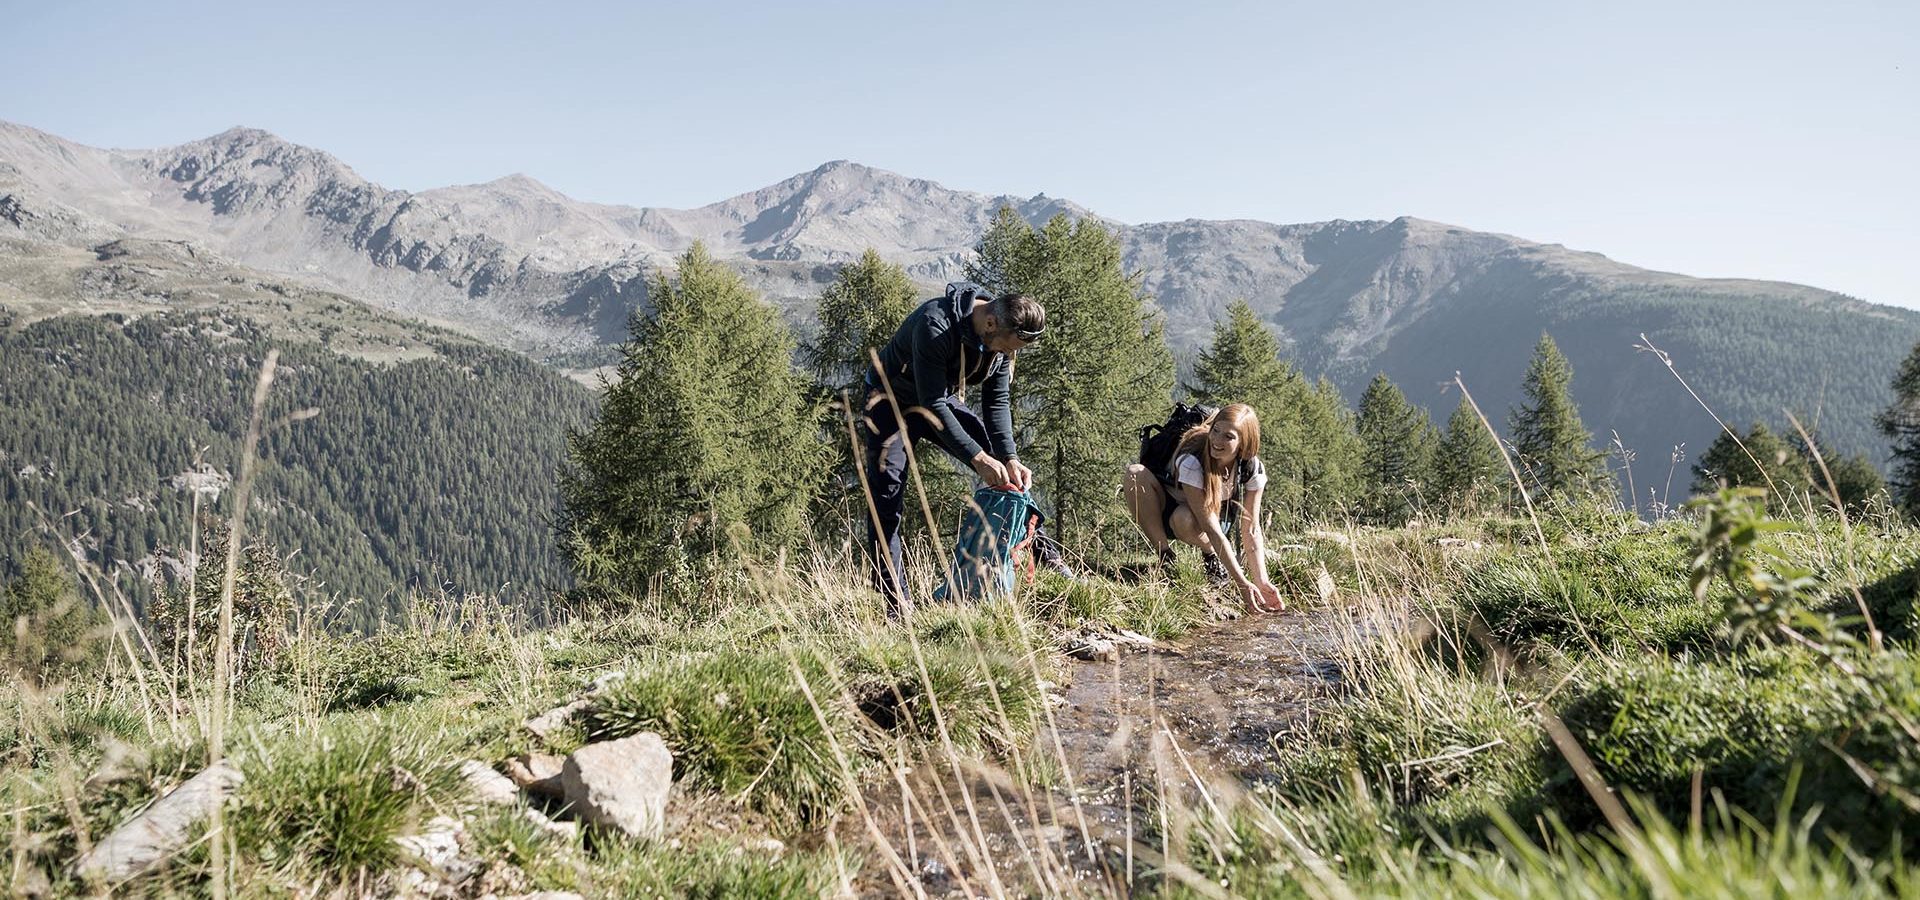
column 1091, row 647
column 487, row 786
column 621, row 784
column 161, row 831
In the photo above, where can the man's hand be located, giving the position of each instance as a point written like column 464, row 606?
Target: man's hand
column 1020, row 475
column 990, row 470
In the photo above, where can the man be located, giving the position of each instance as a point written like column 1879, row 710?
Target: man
column 965, row 338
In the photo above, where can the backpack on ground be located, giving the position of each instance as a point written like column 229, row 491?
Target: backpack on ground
column 997, row 524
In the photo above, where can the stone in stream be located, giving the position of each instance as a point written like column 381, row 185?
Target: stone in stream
column 162, row 830
column 621, row 784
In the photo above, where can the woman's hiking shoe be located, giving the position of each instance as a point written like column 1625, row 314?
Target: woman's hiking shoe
column 1215, row 569
column 1167, row 560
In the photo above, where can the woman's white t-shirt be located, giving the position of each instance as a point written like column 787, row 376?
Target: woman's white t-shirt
column 1186, row 468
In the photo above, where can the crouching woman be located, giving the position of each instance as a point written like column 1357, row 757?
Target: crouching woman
column 1215, row 463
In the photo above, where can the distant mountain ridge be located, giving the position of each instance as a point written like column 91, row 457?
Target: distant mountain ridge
column 520, row 264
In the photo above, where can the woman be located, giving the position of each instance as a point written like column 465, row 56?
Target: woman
column 1186, row 502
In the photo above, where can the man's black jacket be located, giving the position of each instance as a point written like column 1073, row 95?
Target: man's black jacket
column 931, row 359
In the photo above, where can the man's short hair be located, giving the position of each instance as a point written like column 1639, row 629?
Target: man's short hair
column 1021, row 314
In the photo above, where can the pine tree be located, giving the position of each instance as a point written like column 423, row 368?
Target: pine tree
column 856, row 314
column 1768, row 462
column 1554, row 448
column 1101, row 372
column 1468, row 473
column 1900, row 422
column 46, row 629
column 705, row 443
column 1329, row 463
column 1397, row 453
column 1856, row 479
column 1243, row 365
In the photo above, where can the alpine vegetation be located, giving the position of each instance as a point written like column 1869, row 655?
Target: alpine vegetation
column 704, row 450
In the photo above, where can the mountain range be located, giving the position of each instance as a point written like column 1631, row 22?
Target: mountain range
column 518, row 264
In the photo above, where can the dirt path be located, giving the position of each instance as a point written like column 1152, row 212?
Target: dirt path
column 1210, row 708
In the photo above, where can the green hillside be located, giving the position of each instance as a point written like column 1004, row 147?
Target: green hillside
column 426, row 474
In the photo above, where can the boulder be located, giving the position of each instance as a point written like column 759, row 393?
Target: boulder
column 162, row 830
column 621, row 784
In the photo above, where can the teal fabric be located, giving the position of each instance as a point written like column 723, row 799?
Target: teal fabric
column 996, row 524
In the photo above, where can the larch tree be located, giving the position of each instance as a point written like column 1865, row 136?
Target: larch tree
column 705, row 447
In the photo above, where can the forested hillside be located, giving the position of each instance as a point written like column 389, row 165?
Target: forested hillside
column 1829, row 360
column 427, row 474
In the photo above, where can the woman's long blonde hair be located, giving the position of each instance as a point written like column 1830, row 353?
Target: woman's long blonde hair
column 1244, row 421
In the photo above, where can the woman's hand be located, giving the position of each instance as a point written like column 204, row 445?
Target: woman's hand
column 1267, row 597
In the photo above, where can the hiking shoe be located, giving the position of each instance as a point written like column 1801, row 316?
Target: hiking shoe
column 1167, row 561
column 1215, row 569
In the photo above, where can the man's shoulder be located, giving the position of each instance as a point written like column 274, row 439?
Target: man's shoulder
column 934, row 315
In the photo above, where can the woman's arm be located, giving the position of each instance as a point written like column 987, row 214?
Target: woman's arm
column 1196, row 500
column 1252, row 540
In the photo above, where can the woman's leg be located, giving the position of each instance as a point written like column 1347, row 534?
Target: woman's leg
column 1147, row 500
column 1187, row 528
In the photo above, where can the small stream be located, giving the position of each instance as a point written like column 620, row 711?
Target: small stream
column 1228, row 694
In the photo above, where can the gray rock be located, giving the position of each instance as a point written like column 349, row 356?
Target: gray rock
column 545, row 724
column 564, row 830
column 621, row 784
column 487, row 786
column 437, row 852
column 162, row 830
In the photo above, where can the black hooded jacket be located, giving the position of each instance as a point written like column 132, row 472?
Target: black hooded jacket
column 933, row 357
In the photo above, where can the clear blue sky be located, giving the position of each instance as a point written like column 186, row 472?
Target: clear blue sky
column 1755, row 139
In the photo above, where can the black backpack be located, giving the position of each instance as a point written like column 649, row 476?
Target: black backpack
column 1159, row 442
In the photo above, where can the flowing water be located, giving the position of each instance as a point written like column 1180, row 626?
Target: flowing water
column 1199, row 718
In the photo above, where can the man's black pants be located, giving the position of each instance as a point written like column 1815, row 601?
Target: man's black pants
column 887, row 480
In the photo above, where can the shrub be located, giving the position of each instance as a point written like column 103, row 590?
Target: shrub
column 47, row 631
column 1747, row 724
column 335, row 802
column 739, row 723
